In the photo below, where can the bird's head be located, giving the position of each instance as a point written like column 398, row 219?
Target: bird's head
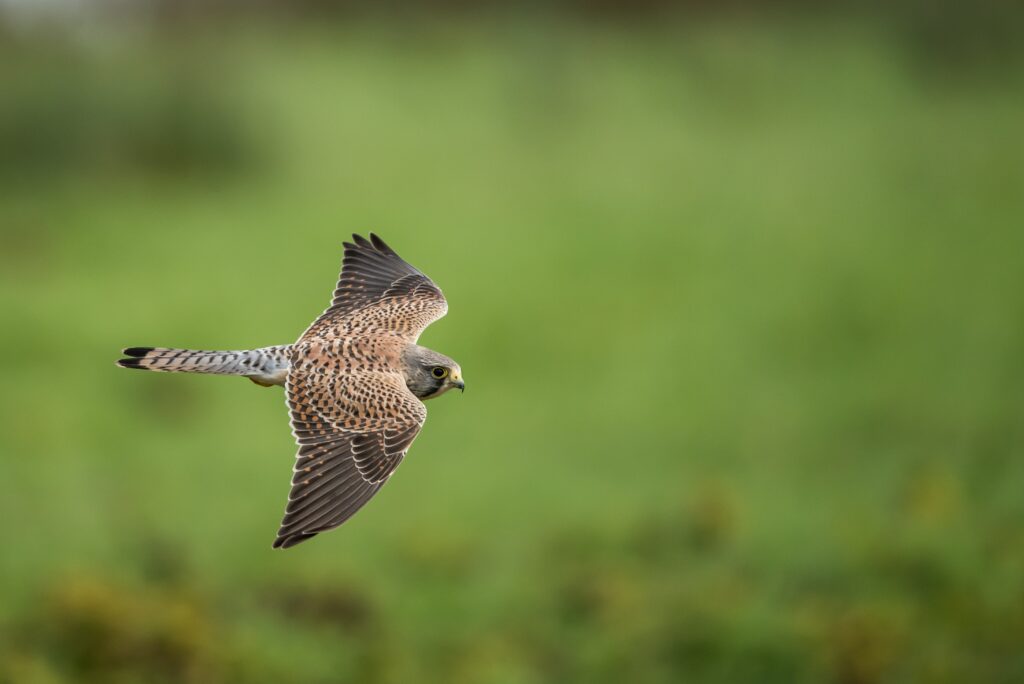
column 429, row 374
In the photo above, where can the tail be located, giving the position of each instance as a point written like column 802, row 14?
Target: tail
column 266, row 366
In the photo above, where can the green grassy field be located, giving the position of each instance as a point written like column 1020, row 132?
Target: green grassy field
column 740, row 310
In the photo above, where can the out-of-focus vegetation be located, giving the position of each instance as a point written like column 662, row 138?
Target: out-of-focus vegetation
column 739, row 302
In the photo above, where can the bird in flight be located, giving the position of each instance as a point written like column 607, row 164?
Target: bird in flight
column 355, row 383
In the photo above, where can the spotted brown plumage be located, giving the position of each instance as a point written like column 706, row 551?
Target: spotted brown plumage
column 355, row 382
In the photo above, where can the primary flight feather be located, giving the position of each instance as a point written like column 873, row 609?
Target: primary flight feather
column 355, row 383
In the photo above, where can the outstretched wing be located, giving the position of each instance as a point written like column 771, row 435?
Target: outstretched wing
column 351, row 436
column 378, row 291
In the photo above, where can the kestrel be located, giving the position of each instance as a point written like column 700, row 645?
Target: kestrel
column 355, row 383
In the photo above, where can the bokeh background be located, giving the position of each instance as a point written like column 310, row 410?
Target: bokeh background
column 738, row 294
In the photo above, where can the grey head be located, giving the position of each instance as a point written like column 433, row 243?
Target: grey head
column 429, row 374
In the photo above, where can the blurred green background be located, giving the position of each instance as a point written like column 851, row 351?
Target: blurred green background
column 738, row 295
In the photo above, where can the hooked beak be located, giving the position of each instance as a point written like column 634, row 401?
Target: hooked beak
column 457, row 382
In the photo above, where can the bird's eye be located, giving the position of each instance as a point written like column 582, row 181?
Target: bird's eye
column 439, row 372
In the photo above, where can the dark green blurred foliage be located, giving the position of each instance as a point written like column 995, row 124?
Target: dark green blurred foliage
column 739, row 301
column 161, row 116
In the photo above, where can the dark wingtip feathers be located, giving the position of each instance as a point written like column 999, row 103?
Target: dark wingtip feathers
column 380, row 244
column 292, row 540
column 375, row 243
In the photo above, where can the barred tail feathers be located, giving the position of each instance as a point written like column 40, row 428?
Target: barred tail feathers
column 266, row 366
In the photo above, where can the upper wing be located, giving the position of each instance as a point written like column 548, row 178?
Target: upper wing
column 379, row 291
column 351, row 438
